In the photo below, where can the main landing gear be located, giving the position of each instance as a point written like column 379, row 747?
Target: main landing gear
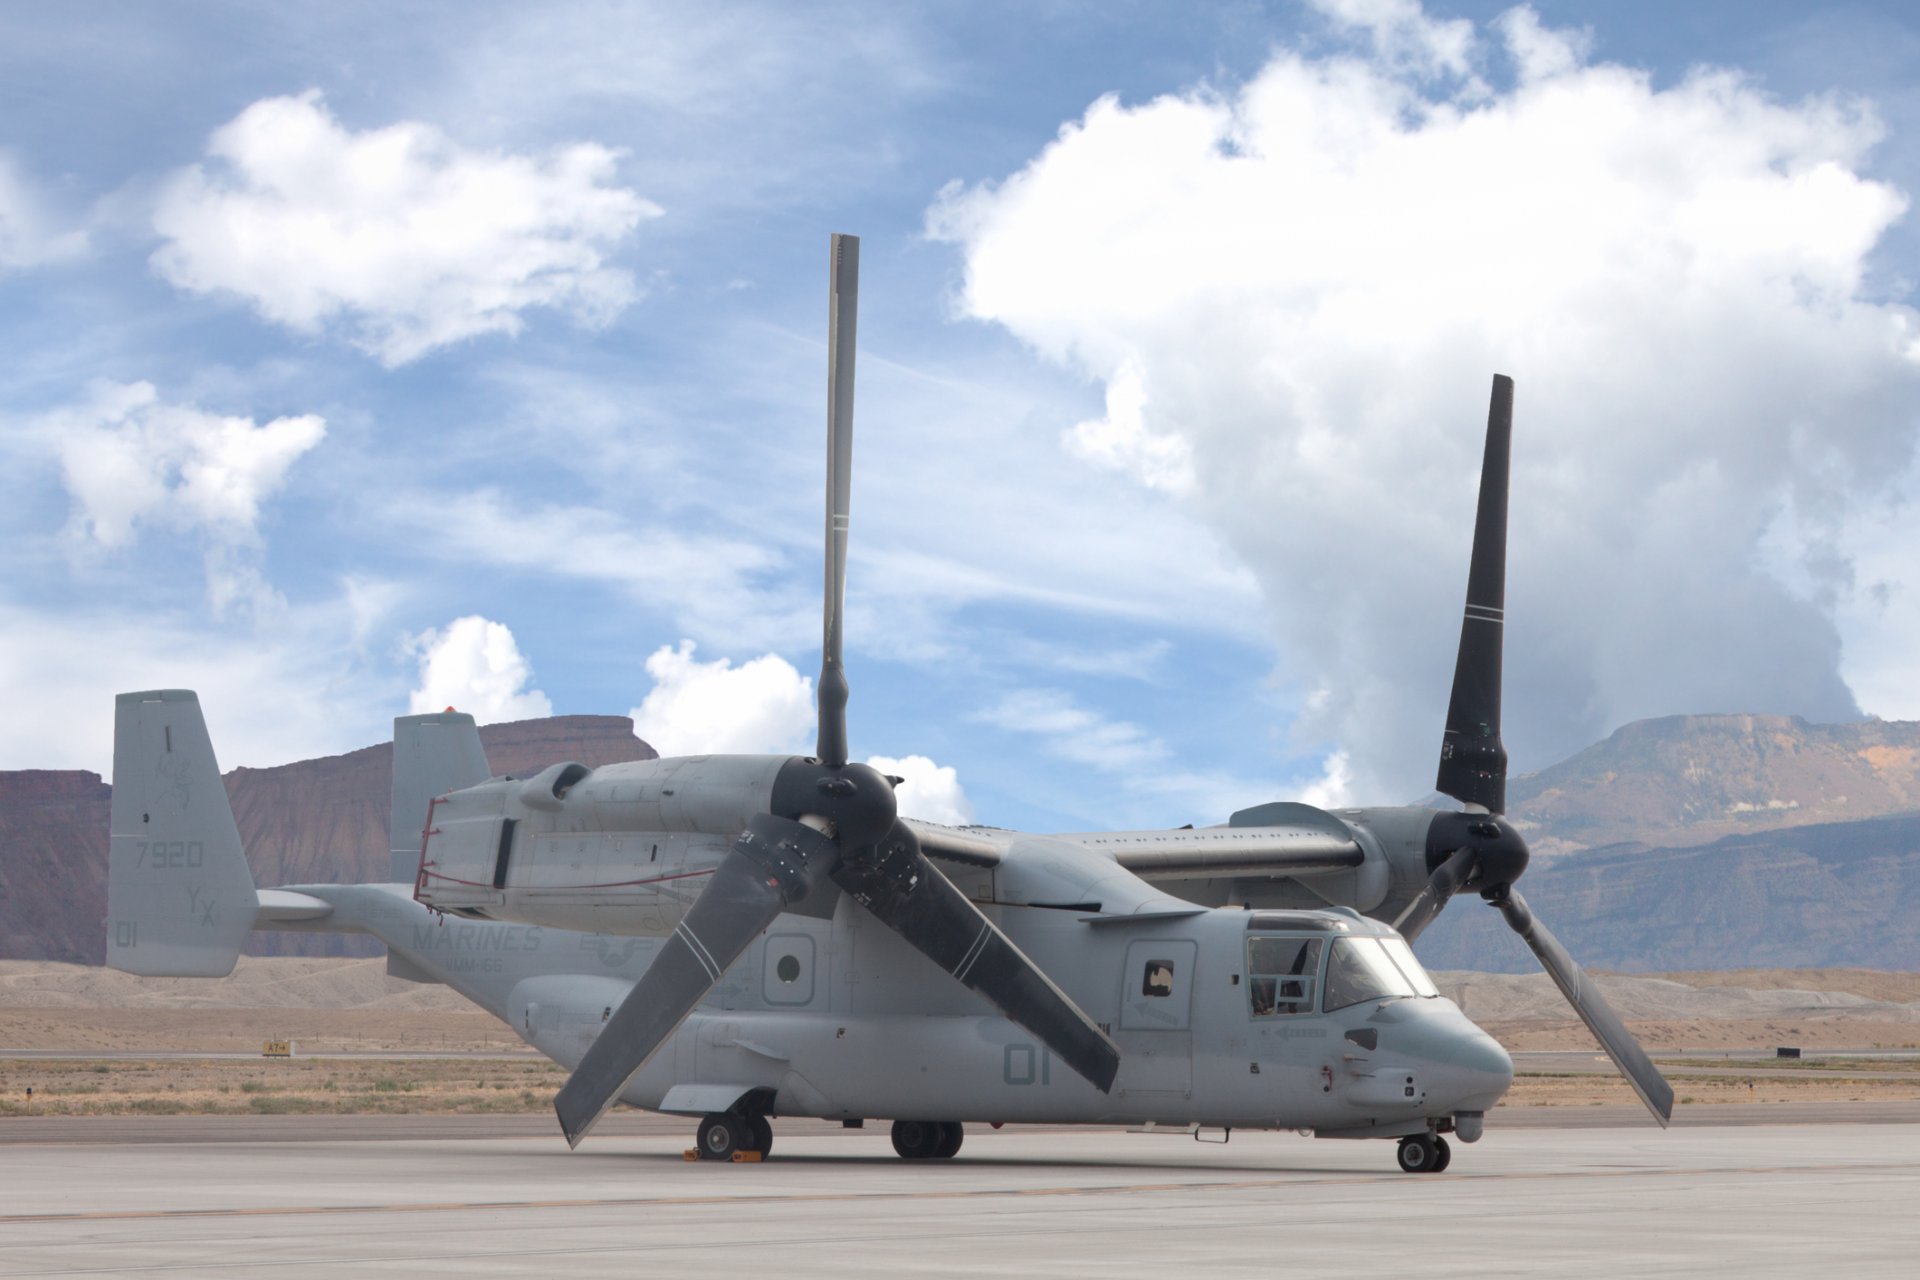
column 1424, row 1153
column 927, row 1139
column 724, row 1133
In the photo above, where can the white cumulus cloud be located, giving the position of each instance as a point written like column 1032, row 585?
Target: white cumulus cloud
column 928, row 791
column 712, row 708
column 1123, row 441
column 129, row 460
column 398, row 236
column 1299, row 286
column 475, row 665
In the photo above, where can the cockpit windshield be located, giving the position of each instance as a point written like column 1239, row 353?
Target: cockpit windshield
column 1403, row 956
column 1362, row 969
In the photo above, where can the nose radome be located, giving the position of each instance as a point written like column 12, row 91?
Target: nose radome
column 1466, row 1068
column 1484, row 1056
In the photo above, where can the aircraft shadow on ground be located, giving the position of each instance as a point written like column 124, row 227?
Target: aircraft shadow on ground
column 1146, row 1169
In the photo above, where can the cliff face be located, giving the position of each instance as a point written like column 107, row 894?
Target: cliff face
column 53, row 865
column 313, row 822
column 1686, row 780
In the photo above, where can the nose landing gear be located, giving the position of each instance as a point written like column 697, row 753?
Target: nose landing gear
column 1424, row 1153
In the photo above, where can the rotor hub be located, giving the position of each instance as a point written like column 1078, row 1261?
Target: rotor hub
column 1500, row 853
column 856, row 800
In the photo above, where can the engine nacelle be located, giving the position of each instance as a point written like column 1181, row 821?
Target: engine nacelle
column 624, row 847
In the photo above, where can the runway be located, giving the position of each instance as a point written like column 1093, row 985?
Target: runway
column 1756, row 1200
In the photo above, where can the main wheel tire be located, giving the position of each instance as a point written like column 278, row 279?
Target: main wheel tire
column 760, row 1135
column 1419, row 1153
column 917, row 1139
column 720, row 1136
column 952, row 1134
column 1443, row 1155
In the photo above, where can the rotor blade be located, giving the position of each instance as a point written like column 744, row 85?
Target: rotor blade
column 1592, row 1008
column 1440, row 888
column 843, row 304
column 1473, row 762
column 912, row 898
column 769, row 866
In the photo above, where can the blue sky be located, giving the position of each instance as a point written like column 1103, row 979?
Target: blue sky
column 385, row 356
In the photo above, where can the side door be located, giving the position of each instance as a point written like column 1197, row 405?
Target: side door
column 1155, row 1034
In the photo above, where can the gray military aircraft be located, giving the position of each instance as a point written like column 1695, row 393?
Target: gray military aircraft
column 799, row 952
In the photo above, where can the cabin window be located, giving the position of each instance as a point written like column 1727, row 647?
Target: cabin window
column 1281, row 973
column 787, row 969
column 1157, row 980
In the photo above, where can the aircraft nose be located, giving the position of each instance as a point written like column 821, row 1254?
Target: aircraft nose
column 1485, row 1064
column 1467, row 1068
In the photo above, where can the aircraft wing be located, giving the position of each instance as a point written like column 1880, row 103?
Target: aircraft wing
column 969, row 846
column 1209, row 852
column 1282, row 839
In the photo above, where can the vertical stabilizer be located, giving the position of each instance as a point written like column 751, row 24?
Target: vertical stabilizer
column 432, row 755
column 180, row 899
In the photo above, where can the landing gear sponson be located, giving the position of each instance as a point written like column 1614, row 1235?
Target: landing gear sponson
column 927, row 1139
column 722, row 1134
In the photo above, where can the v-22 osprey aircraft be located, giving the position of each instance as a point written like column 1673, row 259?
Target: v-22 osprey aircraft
column 805, row 951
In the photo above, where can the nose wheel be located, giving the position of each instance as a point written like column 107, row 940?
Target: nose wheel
column 1424, row 1153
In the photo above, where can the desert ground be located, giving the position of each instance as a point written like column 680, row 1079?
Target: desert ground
column 92, row 1041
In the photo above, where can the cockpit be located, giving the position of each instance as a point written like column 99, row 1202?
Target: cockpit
column 1292, row 976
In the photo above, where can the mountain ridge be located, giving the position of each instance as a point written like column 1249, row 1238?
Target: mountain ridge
column 1684, row 842
column 1677, row 781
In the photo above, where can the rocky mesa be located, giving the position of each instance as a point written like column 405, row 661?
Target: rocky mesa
column 311, row 822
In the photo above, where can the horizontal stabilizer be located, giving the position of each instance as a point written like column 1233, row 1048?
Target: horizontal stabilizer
column 283, row 906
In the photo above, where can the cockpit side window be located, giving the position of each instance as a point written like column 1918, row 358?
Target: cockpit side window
column 1281, row 975
column 1358, row 970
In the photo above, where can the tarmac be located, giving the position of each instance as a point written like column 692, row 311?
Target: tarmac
column 473, row 1196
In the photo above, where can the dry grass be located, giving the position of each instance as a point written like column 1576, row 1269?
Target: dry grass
column 1840, row 1031
column 1557, row 1090
column 331, row 1086
column 202, row 1030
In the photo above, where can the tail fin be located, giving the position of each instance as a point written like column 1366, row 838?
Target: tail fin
column 180, row 899
column 432, row 755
